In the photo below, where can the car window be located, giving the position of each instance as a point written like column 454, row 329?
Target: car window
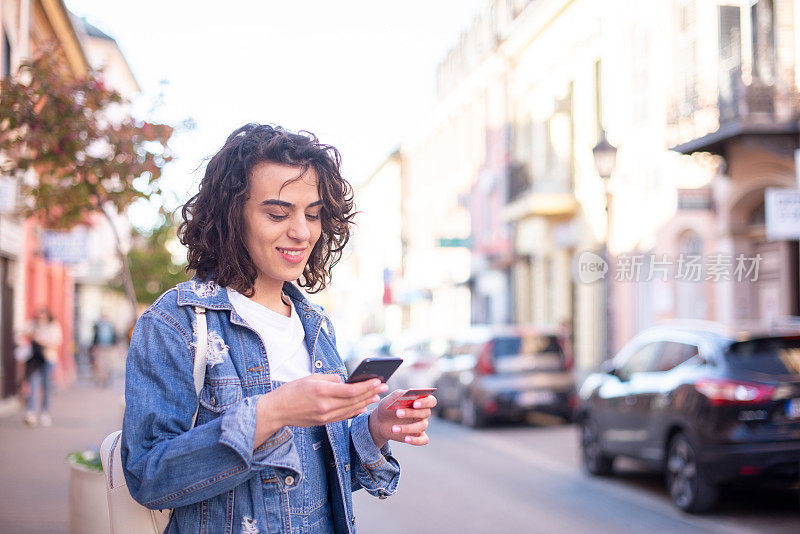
column 639, row 361
column 777, row 356
column 672, row 355
column 524, row 345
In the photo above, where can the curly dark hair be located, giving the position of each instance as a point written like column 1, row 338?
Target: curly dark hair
column 213, row 219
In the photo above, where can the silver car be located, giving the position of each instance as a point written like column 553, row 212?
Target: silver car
column 505, row 373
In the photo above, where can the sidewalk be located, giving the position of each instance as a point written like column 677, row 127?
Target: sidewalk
column 34, row 474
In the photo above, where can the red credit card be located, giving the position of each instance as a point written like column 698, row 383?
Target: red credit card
column 406, row 400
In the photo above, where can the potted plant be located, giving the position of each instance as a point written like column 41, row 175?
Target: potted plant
column 88, row 508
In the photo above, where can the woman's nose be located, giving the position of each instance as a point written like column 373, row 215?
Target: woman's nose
column 299, row 229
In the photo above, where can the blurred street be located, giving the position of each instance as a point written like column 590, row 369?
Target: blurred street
column 34, row 495
column 528, row 479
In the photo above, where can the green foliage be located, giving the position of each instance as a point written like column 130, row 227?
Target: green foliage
column 152, row 265
column 85, row 148
column 89, row 459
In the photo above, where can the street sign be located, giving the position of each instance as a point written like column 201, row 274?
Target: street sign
column 782, row 213
column 65, row 247
column 454, row 242
column 695, row 199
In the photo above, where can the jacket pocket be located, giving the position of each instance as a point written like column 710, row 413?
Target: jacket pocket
column 219, row 394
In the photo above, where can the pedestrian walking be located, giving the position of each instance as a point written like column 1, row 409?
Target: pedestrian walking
column 565, row 340
column 44, row 335
column 102, row 351
column 280, row 439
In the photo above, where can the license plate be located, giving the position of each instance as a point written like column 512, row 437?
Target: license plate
column 793, row 408
column 533, row 398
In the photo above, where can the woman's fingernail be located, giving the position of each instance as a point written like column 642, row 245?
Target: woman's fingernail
column 376, row 398
column 408, row 439
column 401, row 413
column 396, row 429
column 417, row 404
column 384, row 388
column 376, row 383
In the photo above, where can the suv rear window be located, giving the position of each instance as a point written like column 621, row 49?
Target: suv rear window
column 777, row 356
column 524, row 345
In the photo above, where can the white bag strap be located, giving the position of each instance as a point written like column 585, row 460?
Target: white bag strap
column 110, row 445
column 126, row 515
column 200, row 352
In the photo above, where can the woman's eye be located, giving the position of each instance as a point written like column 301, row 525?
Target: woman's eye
column 276, row 217
column 311, row 217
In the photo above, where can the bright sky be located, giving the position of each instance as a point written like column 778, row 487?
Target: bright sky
column 358, row 73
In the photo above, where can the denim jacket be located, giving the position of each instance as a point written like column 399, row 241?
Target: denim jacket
column 211, row 474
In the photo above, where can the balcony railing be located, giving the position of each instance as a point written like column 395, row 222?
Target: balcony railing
column 739, row 108
column 738, row 101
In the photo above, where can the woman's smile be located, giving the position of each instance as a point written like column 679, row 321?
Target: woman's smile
column 292, row 255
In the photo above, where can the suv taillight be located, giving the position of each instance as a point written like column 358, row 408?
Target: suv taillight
column 721, row 392
column 485, row 364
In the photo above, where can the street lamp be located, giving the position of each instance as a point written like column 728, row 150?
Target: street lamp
column 605, row 159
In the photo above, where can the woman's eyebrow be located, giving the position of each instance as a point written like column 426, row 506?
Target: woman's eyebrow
column 284, row 204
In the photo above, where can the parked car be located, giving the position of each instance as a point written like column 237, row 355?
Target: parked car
column 702, row 405
column 419, row 355
column 504, row 372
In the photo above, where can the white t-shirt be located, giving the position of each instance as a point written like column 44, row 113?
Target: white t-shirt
column 283, row 337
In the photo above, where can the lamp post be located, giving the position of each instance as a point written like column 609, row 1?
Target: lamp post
column 605, row 159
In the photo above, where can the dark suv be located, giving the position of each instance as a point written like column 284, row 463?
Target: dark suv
column 504, row 372
column 701, row 405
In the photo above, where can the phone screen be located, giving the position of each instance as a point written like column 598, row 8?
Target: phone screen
column 370, row 368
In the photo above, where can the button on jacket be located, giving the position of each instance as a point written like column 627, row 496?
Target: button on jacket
column 210, row 474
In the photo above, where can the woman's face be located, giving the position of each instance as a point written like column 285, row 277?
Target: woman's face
column 282, row 222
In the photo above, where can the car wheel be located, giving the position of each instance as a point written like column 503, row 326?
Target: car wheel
column 594, row 460
column 471, row 415
column 689, row 487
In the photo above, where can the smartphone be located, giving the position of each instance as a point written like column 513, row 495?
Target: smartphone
column 406, row 400
column 370, row 368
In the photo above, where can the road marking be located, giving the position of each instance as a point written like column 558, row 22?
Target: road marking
column 615, row 488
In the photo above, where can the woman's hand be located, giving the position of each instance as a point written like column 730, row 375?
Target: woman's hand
column 316, row 399
column 406, row 425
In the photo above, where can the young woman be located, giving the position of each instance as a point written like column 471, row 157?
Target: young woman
column 44, row 333
column 280, row 440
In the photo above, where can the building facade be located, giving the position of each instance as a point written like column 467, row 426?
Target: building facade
column 366, row 292
column 27, row 280
column 66, row 272
column 741, row 103
column 502, row 199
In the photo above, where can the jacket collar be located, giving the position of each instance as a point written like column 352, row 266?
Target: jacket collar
column 209, row 294
column 206, row 294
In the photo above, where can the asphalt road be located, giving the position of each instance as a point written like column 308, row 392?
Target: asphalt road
column 527, row 479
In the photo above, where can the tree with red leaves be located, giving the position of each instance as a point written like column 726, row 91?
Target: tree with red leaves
column 88, row 154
